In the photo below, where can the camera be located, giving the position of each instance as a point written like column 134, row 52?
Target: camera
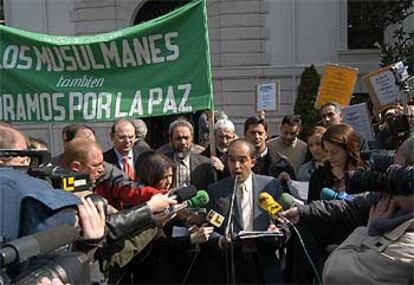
column 44, row 254
column 61, row 178
column 399, row 128
column 58, row 177
column 397, row 180
column 71, row 268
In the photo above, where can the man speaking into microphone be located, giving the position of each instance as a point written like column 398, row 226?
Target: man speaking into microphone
column 254, row 261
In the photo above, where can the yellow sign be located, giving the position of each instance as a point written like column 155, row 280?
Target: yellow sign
column 337, row 85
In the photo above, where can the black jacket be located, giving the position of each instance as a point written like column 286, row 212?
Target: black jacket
column 272, row 164
column 334, row 220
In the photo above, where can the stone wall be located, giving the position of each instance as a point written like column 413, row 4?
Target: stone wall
column 238, row 45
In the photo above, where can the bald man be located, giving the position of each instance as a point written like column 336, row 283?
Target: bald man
column 11, row 138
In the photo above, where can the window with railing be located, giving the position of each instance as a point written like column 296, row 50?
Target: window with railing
column 155, row 8
column 1, row 12
column 361, row 28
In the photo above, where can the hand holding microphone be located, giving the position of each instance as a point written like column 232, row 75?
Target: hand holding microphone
column 200, row 199
column 159, row 202
column 171, row 208
column 200, row 234
column 291, row 215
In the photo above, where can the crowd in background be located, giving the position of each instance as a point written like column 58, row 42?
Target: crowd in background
column 134, row 235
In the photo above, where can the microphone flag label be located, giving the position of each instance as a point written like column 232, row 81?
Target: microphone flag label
column 215, row 218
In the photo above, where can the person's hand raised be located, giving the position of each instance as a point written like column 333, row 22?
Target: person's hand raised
column 91, row 219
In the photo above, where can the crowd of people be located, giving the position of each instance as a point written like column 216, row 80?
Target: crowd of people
column 136, row 228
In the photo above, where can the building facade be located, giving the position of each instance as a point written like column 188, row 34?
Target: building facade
column 252, row 41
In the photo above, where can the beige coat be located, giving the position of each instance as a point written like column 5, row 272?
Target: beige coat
column 384, row 259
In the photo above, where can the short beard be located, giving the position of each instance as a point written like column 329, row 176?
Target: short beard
column 222, row 149
column 182, row 154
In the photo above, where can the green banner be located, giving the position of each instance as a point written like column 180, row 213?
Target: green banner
column 160, row 67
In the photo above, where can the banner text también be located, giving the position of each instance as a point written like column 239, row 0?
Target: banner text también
column 93, row 106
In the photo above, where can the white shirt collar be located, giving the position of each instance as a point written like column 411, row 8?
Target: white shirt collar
column 120, row 157
column 249, row 182
column 264, row 153
column 185, row 160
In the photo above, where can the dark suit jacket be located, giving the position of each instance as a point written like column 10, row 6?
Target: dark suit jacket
column 220, row 195
column 110, row 157
column 140, row 147
column 202, row 171
column 273, row 164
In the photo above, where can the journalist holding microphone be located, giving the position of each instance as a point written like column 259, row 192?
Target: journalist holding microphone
column 377, row 229
column 41, row 207
column 167, row 251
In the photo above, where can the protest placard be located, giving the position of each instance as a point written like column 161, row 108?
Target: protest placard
column 337, row 85
column 382, row 87
column 268, row 96
column 358, row 117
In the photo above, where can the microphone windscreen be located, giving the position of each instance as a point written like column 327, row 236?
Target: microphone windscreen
column 287, row 201
column 267, row 203
column 199, row 200
column 327, row 194
column 184, row 193
column 265, row 200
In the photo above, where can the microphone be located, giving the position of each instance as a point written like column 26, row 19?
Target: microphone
column 39, row 243
column 288, row 201
column 329, row 194
column 200, row 199
column 182, row 193
column 267, row 203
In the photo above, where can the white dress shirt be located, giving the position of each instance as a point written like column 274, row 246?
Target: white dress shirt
column 120, row 158
column 245, row 200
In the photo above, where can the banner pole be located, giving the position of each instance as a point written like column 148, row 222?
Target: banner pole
column 211, row 137
column 52, row 145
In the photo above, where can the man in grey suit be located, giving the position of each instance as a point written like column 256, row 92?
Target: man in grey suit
column 255, row 261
